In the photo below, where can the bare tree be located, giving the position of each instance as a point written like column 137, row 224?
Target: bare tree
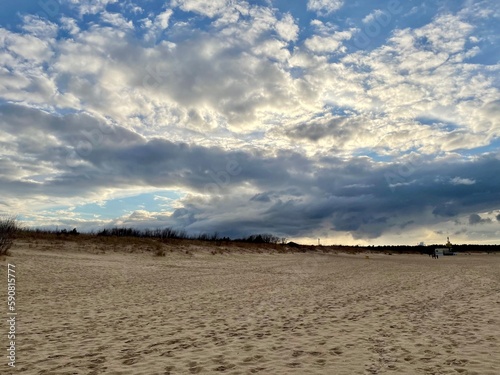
column 8, row 229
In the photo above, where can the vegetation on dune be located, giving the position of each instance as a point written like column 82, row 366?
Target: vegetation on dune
column 170, row 233
column 155, row 239
column 8, row 231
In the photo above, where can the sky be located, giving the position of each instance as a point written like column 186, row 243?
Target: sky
column 356, row 122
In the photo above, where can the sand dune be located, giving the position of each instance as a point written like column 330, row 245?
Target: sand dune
column 117, row 313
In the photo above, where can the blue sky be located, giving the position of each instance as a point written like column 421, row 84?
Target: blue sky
column 357, row 122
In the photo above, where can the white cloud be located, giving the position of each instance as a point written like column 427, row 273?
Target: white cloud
column 447, row 33
column 273, row 49
column 70, row 25
column 236, row 84
column 287, row 29
column 324, row 7
column 373, row 16
column 238, row 79
column 462, row 181
column 155, row 26
column 117, row 20
column 206, row 8
column 25, row 48
column 39, row 27
column 328, row 44
column 163, row 18
column 90, row 6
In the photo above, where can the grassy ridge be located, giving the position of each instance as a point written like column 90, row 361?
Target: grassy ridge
column 154, row 239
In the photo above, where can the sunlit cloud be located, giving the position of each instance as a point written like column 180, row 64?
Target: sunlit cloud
column 355, row 121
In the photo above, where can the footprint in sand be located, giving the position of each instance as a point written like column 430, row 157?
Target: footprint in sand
column 98, row 360
column 336, row 351
column 255, row 358
column 456, row 362
column 194, row 368
column 224, row 367
column 257, row 369
column 321, row 362
column 167, row 354
column 131, row 361
column 55, row 356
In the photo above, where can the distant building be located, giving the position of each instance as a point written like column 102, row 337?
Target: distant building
column 448, row 250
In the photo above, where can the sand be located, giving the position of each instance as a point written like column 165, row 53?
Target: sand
column 120, row 313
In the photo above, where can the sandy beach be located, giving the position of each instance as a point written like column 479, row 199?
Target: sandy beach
column 99, row 311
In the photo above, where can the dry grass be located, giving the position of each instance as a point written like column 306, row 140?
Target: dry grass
column 159, row 251
column 160, row 248
column 8, row 231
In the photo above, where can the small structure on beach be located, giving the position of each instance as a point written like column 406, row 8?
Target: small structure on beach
column 448, row 250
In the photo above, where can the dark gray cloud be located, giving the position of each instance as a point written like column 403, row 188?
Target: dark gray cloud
column 261, row 198
column 246, row 191
column 251, row 117
column 339, row 128
column 477, row 219
column 369, row 207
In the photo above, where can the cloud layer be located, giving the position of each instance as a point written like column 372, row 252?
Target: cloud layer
column 320, row 121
